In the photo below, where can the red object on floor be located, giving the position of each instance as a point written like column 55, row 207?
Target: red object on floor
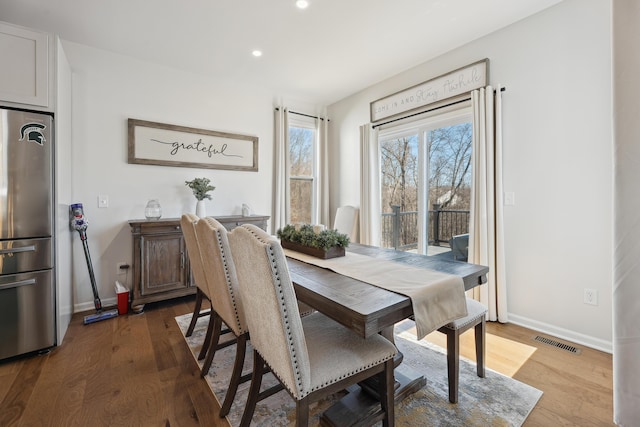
column 123, row 302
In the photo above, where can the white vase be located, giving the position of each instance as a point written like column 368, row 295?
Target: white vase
column 200, row 209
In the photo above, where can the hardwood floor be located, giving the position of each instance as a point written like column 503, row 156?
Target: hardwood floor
column 578, row 388
column 130, row 371
column 136, row 371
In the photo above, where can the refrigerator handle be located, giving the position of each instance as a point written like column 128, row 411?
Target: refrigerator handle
column 31, row 248
column 17, row 284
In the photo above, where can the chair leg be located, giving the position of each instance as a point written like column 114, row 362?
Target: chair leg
column 481, row 348
column 211, row 351
column 196, row 312
column 302, row 412
column 207, row 338
column 453, row 362
column 254, row 390
column 241, row 348
column 387, row 390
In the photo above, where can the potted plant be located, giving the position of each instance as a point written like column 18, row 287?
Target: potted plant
column 322, row 244
column 200, row 188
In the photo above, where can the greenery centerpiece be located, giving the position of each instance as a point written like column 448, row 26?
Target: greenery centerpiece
column 327, row 243
column 201, row 188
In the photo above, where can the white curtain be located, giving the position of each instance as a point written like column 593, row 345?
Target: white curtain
column 626, row 236
column 370, row 210
column 486, row 229
column 322, row 200
column 281, row 170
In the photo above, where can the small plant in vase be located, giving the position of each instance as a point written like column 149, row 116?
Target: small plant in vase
column 201, row 188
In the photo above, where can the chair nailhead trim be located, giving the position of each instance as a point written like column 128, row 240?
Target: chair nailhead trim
column 280, row 294
column 283, row 308
column 347, row 375
column 228, row 279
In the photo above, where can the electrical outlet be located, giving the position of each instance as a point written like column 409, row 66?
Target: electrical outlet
column 591, row 296
column 120, row 269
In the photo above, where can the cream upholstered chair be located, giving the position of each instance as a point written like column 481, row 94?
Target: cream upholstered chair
column 220, row 274
column 187, row 225
column 474, row 319
column 346, row 221
column 311, row 356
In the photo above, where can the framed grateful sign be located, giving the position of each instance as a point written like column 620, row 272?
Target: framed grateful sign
column 152, row 143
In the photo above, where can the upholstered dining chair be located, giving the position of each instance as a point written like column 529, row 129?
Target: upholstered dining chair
column 475, row 318
column 346, row 221
column 187, row 225
column 311, row 356
column 220, row 274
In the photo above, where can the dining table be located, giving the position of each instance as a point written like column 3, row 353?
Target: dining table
column 368, row 309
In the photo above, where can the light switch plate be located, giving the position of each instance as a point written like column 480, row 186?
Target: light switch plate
column 103, row 201
column 509, row 198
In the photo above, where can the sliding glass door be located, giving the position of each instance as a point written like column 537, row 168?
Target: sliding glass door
column 425, row 177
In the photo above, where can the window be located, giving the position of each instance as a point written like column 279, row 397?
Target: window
column 425, row 181
column 302, row 169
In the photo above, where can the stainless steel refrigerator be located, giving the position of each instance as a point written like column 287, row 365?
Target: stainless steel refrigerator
column 27, row 280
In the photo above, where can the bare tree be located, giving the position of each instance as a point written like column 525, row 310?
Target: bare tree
column 449, row 181
column 301, row 173
column 399, row 173
column 450, row 164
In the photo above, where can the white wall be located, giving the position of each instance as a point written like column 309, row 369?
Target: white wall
column 107, row 90
column 557, row 160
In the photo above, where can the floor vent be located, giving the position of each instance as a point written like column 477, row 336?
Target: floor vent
column 557, row 344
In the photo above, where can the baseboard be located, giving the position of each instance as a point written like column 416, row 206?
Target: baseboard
column 88, row 306
column 565, row 334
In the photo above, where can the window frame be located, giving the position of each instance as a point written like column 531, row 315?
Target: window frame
column 304, row 122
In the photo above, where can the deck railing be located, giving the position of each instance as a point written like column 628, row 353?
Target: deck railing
column 400, row 229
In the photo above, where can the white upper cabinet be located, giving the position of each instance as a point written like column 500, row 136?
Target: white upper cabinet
column 24, row 73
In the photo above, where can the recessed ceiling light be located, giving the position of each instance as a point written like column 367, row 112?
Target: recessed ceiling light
column 257, row 53
column 302, row 4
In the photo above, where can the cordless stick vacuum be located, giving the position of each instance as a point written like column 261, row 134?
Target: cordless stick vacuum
column 79, row 223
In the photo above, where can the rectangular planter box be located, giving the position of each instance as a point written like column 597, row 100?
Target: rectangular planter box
column 334, row 252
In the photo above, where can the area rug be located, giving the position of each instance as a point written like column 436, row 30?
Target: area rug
column 495, row 400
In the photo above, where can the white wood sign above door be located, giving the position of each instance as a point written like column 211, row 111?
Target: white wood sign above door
column 454, row 83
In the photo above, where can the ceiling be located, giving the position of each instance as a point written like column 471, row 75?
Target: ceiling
column 320, row 55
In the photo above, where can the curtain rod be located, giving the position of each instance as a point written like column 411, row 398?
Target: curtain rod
column 502, row 89
column 306, row 115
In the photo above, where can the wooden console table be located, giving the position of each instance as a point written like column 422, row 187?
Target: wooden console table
column 160, row 262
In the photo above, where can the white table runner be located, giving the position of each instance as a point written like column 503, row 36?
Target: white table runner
column 437, row 298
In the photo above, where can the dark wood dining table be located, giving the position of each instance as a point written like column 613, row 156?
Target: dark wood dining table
column 367, row 309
